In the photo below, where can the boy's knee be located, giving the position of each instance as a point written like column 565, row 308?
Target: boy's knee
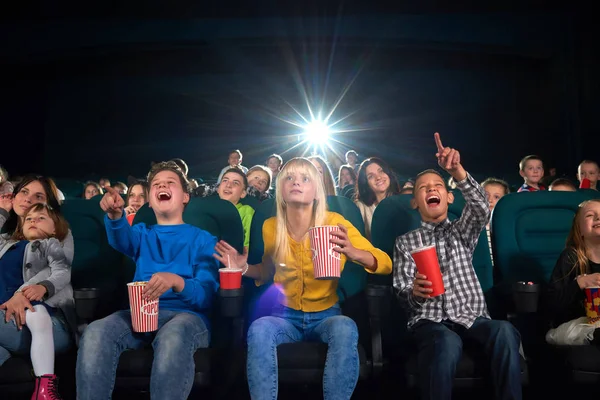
column 506, row 332
column 186, row 334
column 94, row 335
column 447, row 342
column 170, row 349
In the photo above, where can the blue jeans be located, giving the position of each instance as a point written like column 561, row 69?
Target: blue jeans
column 287, row 325
column 439, row 346
column 18, row 342
column 178, row 337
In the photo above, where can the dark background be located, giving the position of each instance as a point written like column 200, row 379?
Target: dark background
column 106, row 88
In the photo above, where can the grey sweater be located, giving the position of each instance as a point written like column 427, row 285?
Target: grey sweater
column 48, row 263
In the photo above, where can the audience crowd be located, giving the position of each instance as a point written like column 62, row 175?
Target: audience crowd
column 180, row 264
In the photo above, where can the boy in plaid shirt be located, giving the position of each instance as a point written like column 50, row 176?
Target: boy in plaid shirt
column 439, row 324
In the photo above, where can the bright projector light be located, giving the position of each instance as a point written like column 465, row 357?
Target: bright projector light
column 317, row 132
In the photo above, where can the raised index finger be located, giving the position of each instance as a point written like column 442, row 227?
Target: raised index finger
column 438, row 142
column 113, row 192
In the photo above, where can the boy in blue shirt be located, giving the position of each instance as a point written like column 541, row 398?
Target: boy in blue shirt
column 176, row 260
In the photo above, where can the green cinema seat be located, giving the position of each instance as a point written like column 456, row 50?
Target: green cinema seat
column 95, row 264
column 529, row 231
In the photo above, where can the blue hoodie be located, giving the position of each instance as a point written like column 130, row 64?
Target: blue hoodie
column 182, row 249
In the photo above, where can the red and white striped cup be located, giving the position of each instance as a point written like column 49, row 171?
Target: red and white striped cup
column 326, row 262
column 144, row 314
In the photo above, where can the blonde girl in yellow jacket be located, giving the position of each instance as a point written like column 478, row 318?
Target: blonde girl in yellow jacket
column 307, row 308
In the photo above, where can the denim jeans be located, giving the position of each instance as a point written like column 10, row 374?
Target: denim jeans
column 18, row 342
column 287, row 325
column 439, row 346
column 178, row 337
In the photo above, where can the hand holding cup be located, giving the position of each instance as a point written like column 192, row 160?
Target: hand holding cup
column 422, row 287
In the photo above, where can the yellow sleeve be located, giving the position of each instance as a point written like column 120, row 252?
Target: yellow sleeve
column 384, row 262
column 267, row 270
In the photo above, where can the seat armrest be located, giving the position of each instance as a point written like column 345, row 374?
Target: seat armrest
column 231, row 304
column 86, row 303
column 379, row 298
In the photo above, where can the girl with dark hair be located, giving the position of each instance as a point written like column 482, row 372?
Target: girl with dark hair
column 347, row 182
column 33, row 189
column 376, row 181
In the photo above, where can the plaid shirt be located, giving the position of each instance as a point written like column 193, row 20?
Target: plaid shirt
column 455, row 242
column 526, row 188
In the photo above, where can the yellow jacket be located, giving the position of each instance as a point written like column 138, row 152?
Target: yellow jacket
column 295, row 279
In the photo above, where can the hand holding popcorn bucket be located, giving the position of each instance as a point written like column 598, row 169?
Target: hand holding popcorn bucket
column 144, row 314
column 592, row 304
column 326, row 261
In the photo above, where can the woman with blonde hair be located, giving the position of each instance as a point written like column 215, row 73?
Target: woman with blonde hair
column 307, row 309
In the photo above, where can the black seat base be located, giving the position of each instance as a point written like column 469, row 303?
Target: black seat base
column 303, row 362
column 135, row 368
column 473, row 370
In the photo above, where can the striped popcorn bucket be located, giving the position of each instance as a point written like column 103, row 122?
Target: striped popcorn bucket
column 326, row 262
column 144, row 314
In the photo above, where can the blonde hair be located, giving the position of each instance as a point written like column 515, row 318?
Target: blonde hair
column 319, row 209
column 576, row 242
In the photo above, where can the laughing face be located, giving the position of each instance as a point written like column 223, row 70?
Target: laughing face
column 431, row 198
column 166, row 193
column 589, row 220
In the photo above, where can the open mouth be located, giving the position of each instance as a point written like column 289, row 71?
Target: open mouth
column 433, row 200
column 596, row 226
column 164, row 196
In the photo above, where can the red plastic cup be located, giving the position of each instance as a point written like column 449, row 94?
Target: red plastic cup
column 326, row 262
column 144, row 314
column 592, row 304
column 230, row 278
column 584, row 184
column 428, row 265
column 130, row 218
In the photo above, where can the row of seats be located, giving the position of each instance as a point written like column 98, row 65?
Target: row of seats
column 528, row 232
column 97, row 265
